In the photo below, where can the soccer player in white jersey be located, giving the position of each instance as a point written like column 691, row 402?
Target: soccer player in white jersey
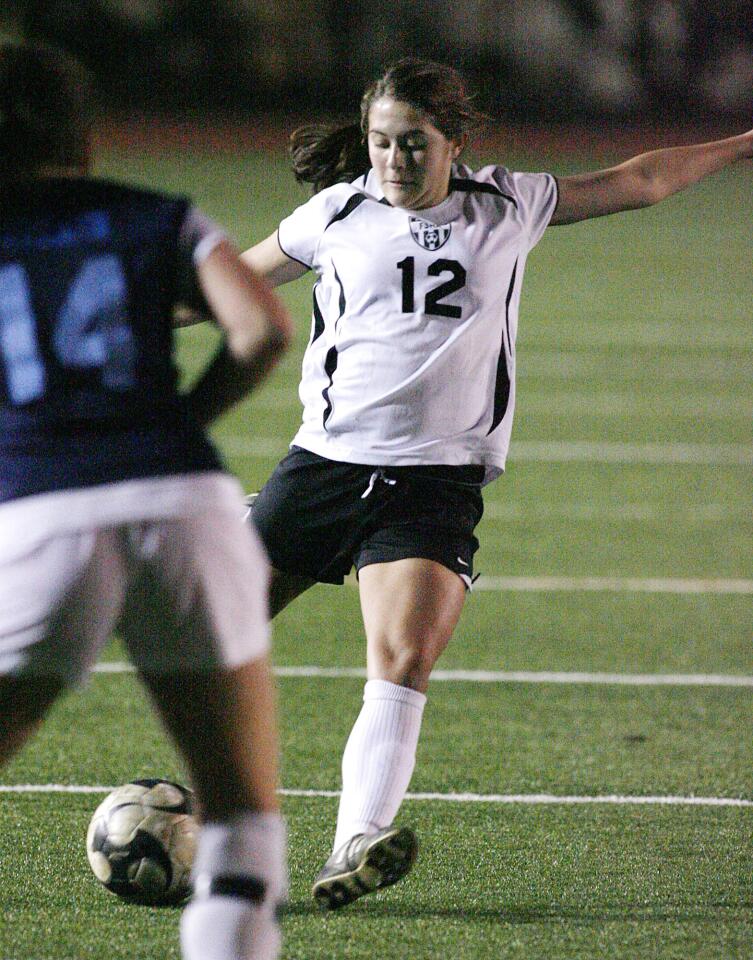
column 408, row 392
column 113, row 503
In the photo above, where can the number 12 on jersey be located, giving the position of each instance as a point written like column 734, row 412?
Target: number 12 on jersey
column 433, row 301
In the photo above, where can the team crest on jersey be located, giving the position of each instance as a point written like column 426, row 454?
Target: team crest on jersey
column 429, row 235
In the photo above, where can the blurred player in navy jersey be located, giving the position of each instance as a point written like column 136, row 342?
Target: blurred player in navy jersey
column 408, row 393
column 114, row 507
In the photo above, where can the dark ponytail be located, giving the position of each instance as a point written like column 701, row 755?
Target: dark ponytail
column 323, row 154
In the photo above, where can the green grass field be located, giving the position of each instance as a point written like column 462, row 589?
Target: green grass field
column 631, row 461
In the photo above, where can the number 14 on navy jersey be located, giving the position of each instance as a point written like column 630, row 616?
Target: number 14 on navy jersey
column 90, row 273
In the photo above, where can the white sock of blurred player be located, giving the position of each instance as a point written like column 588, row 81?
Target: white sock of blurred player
column 239, row 878
column 379, row 758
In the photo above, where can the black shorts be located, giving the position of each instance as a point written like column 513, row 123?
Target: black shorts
column 318, row 518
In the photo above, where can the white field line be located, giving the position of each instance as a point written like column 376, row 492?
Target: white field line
column 679, row 585
column 494, row 798
column 552, row 451
column 600, row 405
column 550, row 798
column 611, row 585
column 590, row 451
column 508, row 676
column 626, row 405
column 554, row 364
column 511, row 511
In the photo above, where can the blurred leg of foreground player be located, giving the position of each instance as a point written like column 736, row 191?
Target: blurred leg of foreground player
column 114, row 507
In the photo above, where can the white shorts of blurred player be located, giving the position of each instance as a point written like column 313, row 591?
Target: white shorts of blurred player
column 165, row 561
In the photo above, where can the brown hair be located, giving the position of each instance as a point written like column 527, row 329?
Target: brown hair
column 46, row 110
column 326, row 154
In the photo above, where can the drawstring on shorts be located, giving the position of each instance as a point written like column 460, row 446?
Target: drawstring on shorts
column 378, row 474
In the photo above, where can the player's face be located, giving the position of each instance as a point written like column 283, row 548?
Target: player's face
column 409, row 155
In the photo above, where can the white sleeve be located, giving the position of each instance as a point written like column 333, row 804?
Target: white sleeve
column 535, row 195
column 199, row 236
column 300, row 233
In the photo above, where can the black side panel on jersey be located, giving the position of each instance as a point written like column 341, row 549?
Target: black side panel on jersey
column 473, row 186
column 330, row 361
column 318, row 327
column 502, row 383
column 355, row 201
column 89, row 277
column 330, row 365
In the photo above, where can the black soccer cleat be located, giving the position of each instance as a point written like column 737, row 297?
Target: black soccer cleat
column 367, row 862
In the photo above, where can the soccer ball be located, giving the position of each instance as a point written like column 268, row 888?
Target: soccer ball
column 141, row 842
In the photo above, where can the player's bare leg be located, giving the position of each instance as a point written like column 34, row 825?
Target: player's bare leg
column 410, row 609
column 224, row 724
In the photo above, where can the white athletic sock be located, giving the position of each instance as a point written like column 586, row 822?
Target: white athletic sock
column 240, row 877
column 379, row 758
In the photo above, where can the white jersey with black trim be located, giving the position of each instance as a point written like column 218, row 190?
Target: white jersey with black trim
column 412, row 352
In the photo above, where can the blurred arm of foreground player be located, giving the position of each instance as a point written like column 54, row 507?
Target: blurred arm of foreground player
column 257, row 330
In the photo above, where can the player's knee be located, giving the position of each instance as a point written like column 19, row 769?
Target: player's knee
column 409, row 663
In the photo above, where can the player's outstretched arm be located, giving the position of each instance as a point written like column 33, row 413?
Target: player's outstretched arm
column 645, row 179
column 268, row 260
column 257, row 330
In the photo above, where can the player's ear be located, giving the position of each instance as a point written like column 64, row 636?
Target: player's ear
column 459, row 145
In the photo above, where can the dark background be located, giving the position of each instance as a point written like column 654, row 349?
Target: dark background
column 671, row 60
